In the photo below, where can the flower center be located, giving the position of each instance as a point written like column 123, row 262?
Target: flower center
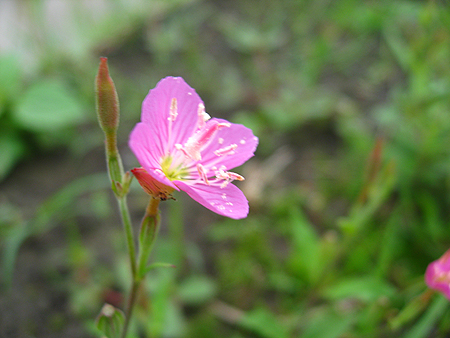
column 173, row 172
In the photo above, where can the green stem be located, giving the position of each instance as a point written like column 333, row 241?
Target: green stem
column 126, row 221
column 130, row 307
column 149, row 230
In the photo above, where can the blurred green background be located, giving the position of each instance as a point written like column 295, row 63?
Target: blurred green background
column 349, row 188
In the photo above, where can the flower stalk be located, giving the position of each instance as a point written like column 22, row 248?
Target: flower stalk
column 107, row 106
column 147, row 236
column 128, row 229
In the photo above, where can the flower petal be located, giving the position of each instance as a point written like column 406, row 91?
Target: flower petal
column 152, row 186
column 437, row 276
column 149, row 149
column 238, row 139
column 435, row 282
column 228, row 201
column 157, row 105
column 146, row 145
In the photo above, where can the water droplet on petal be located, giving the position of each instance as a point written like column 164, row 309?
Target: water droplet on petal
column 242, row 141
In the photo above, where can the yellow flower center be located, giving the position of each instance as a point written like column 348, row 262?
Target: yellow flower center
column 173, row 173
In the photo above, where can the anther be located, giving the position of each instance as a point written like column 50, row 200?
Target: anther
column 228, row 177
column 173, row 112
column 202, row 173
column 228, row 150
column 203, row 116
column 201, row 138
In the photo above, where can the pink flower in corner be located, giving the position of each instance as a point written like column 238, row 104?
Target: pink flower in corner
column 437, row 275
column 181, row 148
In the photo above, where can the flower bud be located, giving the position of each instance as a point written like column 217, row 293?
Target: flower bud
column 437, row 275
column 106, row 99
column 107, row 104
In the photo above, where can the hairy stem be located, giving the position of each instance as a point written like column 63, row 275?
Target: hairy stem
column 149, row 230
column 126, row 220
column 147, row 236
column 130, row 306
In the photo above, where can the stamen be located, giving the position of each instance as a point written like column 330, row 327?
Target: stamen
column 201, row 138
column 202, row 116
column 228, row 177
column 173, row 112
column 202, row 173
column 228, row 150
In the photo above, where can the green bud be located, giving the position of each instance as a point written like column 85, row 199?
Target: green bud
column 107, row 101
column 107, row 104
column 115, row 168
column 110, row 321
column 147, row 235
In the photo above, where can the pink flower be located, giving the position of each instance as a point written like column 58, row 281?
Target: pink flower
column 437, row 275
column 181, row 148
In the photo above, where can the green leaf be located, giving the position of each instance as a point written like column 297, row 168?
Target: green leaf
column 366, row 289
column 15, row 238
column 328, row 324
column 305, row 256
column 12, row 149
column 49, row 213
column 110, row 321
column 161, row 285
column 157, row 265
column 10, row 76
column 174, row 323
column 264, row 323
column 410, row 311
column 426, row 324
column 48, row 105
column 197, row 290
